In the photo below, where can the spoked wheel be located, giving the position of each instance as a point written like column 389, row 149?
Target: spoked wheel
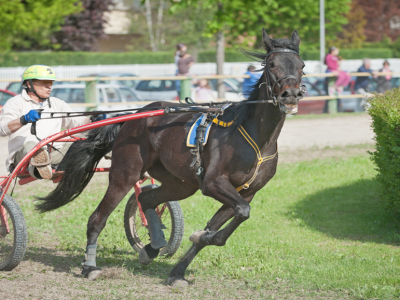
column 171, row 217
column 13, row 234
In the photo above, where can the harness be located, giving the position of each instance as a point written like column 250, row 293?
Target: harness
column 210, row 118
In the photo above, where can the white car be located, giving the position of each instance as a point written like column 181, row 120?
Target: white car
column 165, row 90
column 107, row 94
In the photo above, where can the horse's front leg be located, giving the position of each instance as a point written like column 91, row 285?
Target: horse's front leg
column 177, row 275
column 222, row 190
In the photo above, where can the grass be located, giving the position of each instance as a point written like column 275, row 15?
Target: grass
column 316, row 227
column 323, row 116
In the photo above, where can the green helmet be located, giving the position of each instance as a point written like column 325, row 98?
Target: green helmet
column 40, row 72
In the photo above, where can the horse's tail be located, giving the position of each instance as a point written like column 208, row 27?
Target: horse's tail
column 79, row 164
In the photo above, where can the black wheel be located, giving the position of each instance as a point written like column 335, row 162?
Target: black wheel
column 14, row 238
column 171, row 220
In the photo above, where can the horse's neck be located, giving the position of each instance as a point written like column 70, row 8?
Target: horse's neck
column 266, row 125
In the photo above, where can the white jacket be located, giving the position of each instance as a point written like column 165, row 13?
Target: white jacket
column 21, row 105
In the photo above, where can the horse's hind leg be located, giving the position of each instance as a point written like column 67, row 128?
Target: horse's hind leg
column 121, row 182
column 172, row 189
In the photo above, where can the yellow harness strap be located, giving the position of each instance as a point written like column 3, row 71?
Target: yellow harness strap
column 259, row 157
column 255, row 147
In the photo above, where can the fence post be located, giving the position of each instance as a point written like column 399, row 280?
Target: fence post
column 91, row 94
column 185, row 88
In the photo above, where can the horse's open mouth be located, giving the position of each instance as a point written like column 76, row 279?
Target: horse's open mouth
column 289, row 109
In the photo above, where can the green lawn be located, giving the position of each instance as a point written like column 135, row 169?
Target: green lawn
column 316, row 226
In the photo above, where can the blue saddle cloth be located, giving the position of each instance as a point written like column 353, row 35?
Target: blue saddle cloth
column 191, row 137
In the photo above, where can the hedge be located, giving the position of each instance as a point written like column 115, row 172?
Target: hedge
column 385, row 113
column 230, row 56
column 15, row 59
column 351, row 53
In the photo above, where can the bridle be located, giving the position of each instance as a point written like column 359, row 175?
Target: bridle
column 270, row 89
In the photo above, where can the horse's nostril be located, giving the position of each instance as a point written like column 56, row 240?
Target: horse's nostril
column 285, row 94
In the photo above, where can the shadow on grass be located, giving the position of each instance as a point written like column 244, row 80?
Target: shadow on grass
column 64, row 261
column 351, row 212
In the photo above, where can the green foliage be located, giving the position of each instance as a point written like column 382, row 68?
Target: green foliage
column 279, row 17
column 351, row 53
column 386, row 43
column 385, row 113
column 26, row 24
column 230, row 56
column 14, row 59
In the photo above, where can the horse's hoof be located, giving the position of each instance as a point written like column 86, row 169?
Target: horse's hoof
column 144, row 258
column 90, row 272
column 195, row 237
column 177, row 282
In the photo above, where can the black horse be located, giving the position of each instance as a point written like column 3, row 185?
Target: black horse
column 234, row 170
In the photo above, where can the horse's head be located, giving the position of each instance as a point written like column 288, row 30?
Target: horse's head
column 283, row 71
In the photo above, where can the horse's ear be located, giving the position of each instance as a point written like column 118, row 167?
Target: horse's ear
column 295, row 38
column 267, row 41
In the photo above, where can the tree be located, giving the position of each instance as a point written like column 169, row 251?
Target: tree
column 82, row 30
column 236, row 18
column 28, row 24
column 157, row 28
column 383, row 19
column 352, row 35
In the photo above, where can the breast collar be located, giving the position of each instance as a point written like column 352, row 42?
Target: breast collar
column 270, row 89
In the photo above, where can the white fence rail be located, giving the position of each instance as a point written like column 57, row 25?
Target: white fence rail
column 238, row 68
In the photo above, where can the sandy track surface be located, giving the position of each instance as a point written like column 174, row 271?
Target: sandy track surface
column 297, row 135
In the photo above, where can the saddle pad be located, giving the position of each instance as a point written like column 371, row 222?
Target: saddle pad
column 191, row 137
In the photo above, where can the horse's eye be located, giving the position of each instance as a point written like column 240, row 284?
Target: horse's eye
column 272, row 65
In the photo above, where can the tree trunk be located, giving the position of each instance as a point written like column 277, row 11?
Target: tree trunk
column 220, row 60
column 150, row 26
column 159, row 22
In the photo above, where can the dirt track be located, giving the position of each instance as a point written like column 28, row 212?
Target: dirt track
column 297, row 135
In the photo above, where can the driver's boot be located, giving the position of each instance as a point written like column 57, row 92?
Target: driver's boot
column 41, row 163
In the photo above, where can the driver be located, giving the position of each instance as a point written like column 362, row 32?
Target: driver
column 18, row 114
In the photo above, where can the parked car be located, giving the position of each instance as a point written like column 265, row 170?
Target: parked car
column 108, row 93
column 15, row 87
column 314, row 87
column 5, row 95
column 129, row 83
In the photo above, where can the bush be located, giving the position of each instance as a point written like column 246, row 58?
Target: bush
column 385, row 113
column 15, row 59
column 351, row 53
column 230, row 56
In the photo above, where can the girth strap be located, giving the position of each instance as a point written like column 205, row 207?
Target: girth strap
column 259, row 157
column 255, row 147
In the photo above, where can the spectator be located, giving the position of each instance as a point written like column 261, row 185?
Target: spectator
column 204, row 91
column 248, row 83
column 332, row 60
column 384, row 81
column 361, row 84
column 184, row 63
column 179, row 48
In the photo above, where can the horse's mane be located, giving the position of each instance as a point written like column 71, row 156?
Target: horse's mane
column 242, row 112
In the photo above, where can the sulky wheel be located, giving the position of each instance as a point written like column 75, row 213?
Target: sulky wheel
column 13, row 234
column 171, row 217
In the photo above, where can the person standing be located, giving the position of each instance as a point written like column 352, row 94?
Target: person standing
column 184, row 64
column 248, row 83
column 179, row 48
column 384, row 81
